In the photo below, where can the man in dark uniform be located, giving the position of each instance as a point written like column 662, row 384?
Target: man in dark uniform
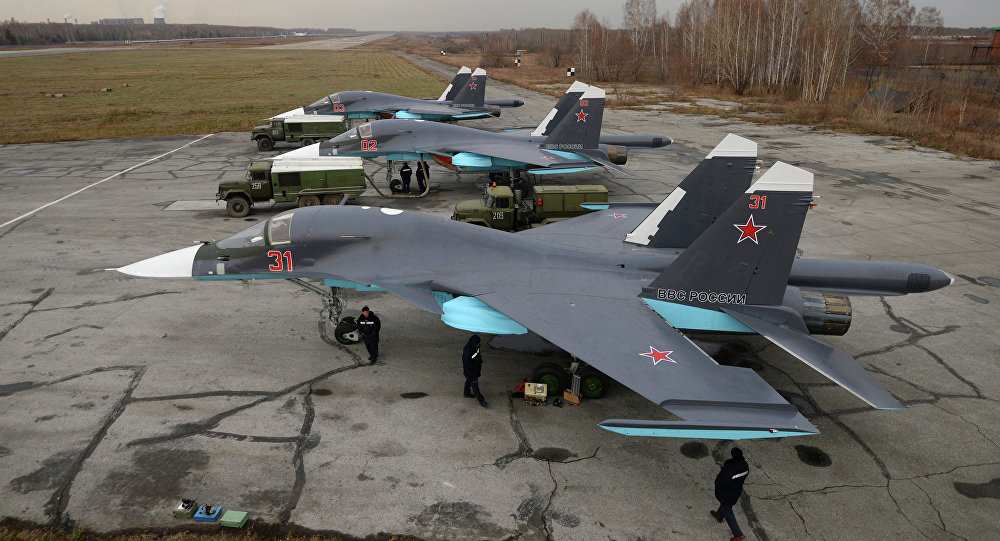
column 728, row 488
column 405, row 173
column 472, row 367
column 368, row 327
column 423, row 173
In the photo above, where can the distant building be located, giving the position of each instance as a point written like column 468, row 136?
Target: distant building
column 159, row 20
column 137, row 20
column 988, row 53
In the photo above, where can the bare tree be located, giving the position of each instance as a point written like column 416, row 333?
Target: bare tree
column 884, row 24
column 926, row 25
column 826, row 46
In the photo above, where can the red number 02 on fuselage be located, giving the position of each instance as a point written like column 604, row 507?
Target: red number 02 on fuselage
column 369, row 145
column 281, row 260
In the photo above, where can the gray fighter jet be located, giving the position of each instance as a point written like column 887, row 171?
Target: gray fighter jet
column 614, row 288
column 568, row 140
column 463, row 99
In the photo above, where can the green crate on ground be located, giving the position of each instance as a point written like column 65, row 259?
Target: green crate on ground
column 234, row 519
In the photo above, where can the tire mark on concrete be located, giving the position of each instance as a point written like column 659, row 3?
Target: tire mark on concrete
column 302, row 444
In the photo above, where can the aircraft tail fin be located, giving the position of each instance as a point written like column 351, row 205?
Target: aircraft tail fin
column 560, row 109
column 580, row 125
column 746, row 256
column 701, row 197
column 456, row 83
column 473, row 92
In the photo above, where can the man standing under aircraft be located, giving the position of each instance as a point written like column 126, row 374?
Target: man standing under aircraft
column 422, row 174
column 368, row 327
column 728, row 488
column 405, row 173
column 472, row 367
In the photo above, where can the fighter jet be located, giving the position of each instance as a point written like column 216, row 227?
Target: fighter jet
column 463, row 99
column 614, row 288
column 568, row 140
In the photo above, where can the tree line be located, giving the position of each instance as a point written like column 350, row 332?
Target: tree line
column 18, row 33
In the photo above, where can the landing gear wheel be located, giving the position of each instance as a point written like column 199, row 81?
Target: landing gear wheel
column 238, row 206
column 332, row 199
column 308, row 201
column 346, row 331
column 395, row 185
column 553, row 376
column 265, row 144
column 307, row 141
column 593, row 384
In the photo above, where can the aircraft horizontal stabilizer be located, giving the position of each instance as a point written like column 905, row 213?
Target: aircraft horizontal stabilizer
column 719, row 431
column 787, row 330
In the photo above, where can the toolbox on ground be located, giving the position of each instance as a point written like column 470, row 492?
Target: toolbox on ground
column 535, row 394
column 185, row 509
column 208, row 513
column 234, row 519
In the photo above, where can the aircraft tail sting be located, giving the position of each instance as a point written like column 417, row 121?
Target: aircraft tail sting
column 740, row 267
column 472, row 92
column 456, row 84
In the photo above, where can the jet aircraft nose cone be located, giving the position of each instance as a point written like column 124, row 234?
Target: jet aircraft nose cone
column 176, row 264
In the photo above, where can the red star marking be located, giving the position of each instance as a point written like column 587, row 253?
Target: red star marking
column 472, row 86
column 616, row 215
column 581, row 116
column 749, row 230
column 658, row 356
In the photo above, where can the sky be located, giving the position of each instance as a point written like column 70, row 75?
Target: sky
column 403, row 15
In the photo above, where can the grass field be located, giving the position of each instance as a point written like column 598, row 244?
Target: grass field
column 182, row 92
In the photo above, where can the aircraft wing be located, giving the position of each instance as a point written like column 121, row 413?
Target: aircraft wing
column 521, row 153
column 434, row 109
column 629, row 342
column 599, row 230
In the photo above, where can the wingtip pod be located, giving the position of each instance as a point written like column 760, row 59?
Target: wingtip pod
column 783, row 177
column 176, row 264
column 734, row 146
column 714, row 431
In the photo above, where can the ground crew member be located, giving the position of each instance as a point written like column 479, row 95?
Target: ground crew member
column 405, row 173
column 423, row 173
column 728, row 488
column 472, row 366
column 368, row 327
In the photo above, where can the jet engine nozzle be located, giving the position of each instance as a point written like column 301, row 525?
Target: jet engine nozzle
column 617, row 154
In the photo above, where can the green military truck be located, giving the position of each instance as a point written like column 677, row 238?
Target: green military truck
column 307, row 181
column 296, row 127
column 504, row 208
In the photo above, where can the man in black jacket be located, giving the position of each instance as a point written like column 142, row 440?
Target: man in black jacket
column 472, row 367
column 368, row 327
column 405, row 173
column 728, row 488
column 423, row 173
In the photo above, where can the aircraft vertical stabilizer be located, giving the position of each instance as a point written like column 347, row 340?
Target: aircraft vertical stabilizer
column 456, row 83
column 472, row 93
column 746, row 256
column 701, row 197
column 560, row 109
column 580, row 127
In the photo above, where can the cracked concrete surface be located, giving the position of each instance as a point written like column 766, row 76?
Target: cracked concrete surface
column 119, row 396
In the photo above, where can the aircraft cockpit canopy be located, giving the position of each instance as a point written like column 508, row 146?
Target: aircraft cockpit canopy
column 276, row 231
column 326, row 101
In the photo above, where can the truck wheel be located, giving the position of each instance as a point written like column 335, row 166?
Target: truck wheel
column 238, row 206
column 347, row 331
column 307, row 141
column 308, row 201
column 593, row 383
column 552, row 375
column 332, row 199
column 265, row 144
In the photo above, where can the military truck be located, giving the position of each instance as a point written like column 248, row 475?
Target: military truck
column 504, row 208
column 297, row 127
column 307, row 181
